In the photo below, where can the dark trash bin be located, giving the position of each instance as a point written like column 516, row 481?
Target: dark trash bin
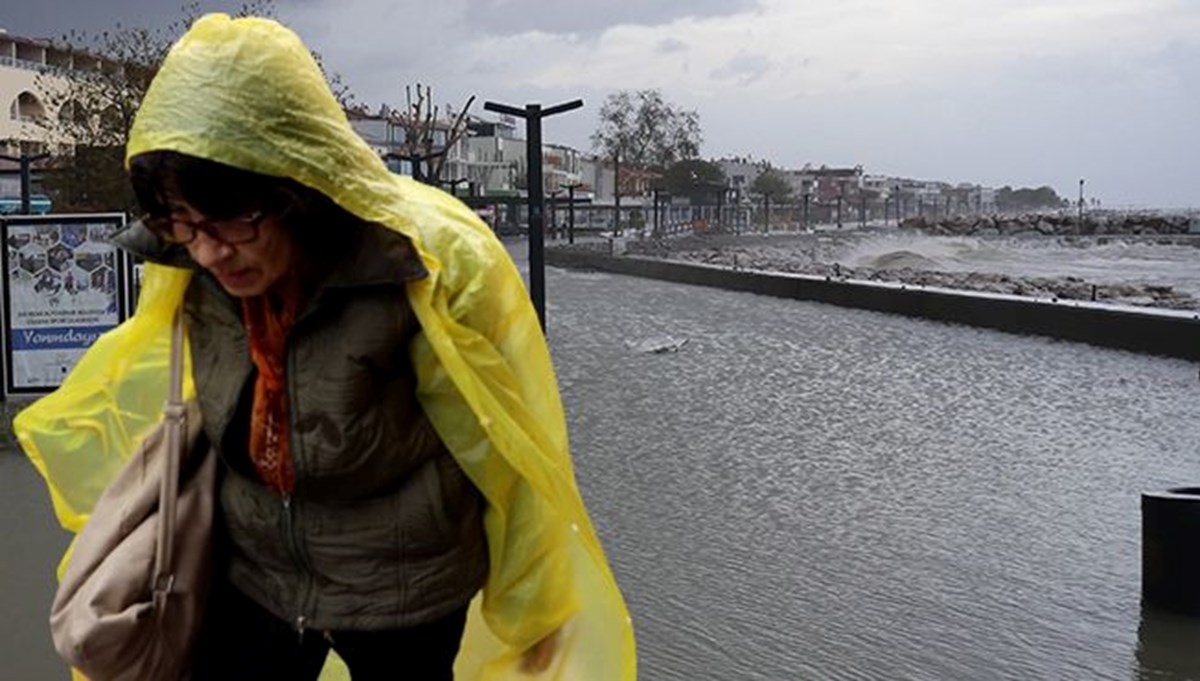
column 1171, row 550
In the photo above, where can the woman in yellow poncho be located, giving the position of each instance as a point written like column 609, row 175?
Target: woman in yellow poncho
column 370, row 369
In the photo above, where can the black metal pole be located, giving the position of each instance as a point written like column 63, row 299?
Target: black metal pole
column 617, row 193
column 25, row 186
column 571, row 213
column 657, row 227
column 533, row 114
column 720, row 209
column 25, row 163
column 536, row 202
column 1080, row 204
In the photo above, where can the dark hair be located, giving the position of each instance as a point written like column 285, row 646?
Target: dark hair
column 220, row 191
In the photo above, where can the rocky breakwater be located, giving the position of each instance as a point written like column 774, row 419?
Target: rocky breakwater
column 1116, row 224
column 826, row 255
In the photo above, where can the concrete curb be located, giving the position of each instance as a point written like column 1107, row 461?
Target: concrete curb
column 1151, row 331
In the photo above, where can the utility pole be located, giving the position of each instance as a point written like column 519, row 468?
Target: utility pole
column 533, row 115
column 25, row 162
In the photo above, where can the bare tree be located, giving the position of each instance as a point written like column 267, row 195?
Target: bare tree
column 430, row 132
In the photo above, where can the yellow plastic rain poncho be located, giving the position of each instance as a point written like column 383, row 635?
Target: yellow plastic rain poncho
column 247, row 93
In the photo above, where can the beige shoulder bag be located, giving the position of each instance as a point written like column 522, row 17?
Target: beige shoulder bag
column 131, row 601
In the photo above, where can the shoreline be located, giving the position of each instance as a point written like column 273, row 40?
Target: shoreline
column 814, row 254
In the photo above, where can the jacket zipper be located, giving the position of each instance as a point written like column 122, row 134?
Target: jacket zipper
column 293, row 544
column 307, row 590
column 291, row 537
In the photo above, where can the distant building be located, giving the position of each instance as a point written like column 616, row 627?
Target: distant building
column 28, row 69
column 741, row 172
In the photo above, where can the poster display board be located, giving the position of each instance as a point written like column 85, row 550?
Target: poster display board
column 64, row 285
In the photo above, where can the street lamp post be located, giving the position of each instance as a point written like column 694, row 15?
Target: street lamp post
column 571, row 209
column 617, row 193
column 533, row 115
column 1081, row 204
column 657, row 225
column 452, row 185
column 841, row 193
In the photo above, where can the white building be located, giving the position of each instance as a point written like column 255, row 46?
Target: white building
column 30, row 72
column 21, row 62
column 741, row 172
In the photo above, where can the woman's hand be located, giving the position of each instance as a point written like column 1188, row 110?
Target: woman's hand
column 537, row 658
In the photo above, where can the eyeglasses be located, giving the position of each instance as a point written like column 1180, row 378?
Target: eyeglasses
column 239, row 230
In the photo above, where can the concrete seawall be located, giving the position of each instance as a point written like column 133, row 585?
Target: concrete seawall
column 1159, row 332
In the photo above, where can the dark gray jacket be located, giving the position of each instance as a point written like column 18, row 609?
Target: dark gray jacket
column 383, row 530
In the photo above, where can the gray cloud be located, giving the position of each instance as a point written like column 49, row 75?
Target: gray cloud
column 670, row 46
column 506, row 17
column 744, row 68
column 54, row 18
column 1119, row 114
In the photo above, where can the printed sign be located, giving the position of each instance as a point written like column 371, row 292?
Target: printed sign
column 64, row 284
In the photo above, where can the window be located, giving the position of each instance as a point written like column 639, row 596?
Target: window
column 26, row 107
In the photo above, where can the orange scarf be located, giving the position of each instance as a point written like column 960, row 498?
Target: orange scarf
column 268, row 332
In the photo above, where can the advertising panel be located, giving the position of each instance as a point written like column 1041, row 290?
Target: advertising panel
column 64, row 286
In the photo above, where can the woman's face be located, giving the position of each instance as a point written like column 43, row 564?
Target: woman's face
column 244, row 269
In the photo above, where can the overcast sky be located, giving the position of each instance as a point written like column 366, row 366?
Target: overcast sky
column 1020, row 92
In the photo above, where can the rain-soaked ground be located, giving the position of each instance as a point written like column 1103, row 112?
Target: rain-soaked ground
column 796, row 491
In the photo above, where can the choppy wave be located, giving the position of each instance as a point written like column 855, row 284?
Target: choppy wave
column 1100, row 261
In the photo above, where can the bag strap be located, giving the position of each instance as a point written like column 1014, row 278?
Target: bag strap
column 175, row 424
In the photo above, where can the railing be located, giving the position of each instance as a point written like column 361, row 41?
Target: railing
column 56, row 69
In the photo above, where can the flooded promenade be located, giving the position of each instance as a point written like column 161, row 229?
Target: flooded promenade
column 800, row 491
